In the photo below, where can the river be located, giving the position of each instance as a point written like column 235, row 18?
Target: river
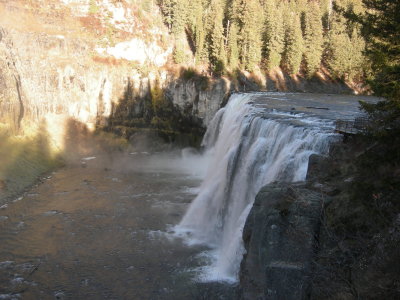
column 120, row 227
column 98, row 229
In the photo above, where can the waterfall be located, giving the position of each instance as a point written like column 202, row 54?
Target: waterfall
column 248, row 149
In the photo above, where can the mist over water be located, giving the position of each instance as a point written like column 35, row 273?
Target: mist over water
column 114, row 224
column 186, row 161
column 247, row 148
column 99, row 229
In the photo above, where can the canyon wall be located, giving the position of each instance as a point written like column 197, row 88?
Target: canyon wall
column 51, row 66
column 43, row 75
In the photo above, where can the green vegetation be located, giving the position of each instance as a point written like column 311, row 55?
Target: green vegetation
column 298, row 35
column 313, row 38
column 379, row 168
column 201, row 81
column 274, row 35
column 294, row 44
column 360, row 256
column 345, row 47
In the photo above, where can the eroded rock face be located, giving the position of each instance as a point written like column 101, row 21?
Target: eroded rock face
column 42, row 74
column 51, row 74
column 280, row 239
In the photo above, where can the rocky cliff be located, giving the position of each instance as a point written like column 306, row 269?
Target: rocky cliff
column 45, row 73
column 280, row 238
column 318, row 239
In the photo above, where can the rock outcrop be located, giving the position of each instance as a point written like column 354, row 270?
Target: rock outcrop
column 319, row 239
column 280, row 238
column 42, row 74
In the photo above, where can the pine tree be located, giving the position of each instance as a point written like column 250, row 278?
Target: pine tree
column 217, row 46
column 179, row 17
column 250, row 33
column 358, row 58
column 194, row 11
column 167, row 7
column 313, row 38
column 178, row 25
column 294, row 44
column 377, row 184
column 274, row 34
column 239, row 33
column 200, row 31
column 382, row 24
column 233, row 54
column 326, row 13
column 345, row 52
column 179, row 52
column 200, row 37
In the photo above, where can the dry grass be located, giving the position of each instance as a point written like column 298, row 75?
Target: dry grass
column 107, row 60
column 49, row 18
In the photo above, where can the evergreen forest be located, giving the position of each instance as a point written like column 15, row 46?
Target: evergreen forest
column 295, row 35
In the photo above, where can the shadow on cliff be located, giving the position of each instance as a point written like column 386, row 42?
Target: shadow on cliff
column 321, row 82
column 149, row 111
column 280, row 81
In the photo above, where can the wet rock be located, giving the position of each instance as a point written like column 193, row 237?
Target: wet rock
column 280, row 238
column 59, row 295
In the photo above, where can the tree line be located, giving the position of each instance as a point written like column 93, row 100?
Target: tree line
column 296, row 35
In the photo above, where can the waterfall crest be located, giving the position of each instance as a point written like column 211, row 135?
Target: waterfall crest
column 248, row 150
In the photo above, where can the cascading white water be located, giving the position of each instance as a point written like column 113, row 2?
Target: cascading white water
column 247, row 151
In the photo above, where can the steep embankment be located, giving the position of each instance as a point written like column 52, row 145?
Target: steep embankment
column 358, row 253
column 320, row 240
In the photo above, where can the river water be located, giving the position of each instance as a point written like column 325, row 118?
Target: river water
column 166, row 225
column 98, row 229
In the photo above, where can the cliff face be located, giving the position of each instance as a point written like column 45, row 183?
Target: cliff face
column 280, row 237
column 318, row 240
column 42, row 74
